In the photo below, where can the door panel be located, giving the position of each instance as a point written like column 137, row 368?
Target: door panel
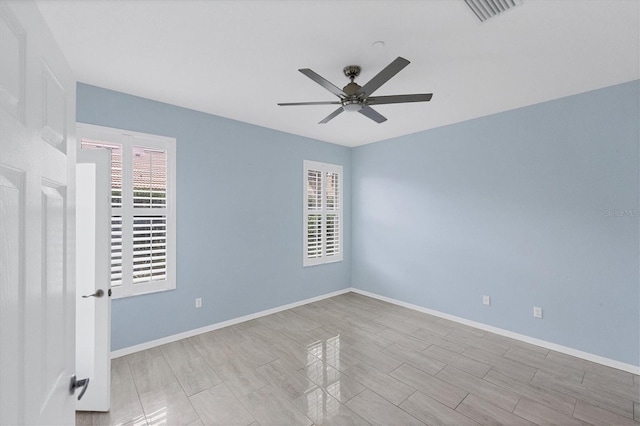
column 11, row 200
column 37, row 239
column 53, row 285
column 12, row 43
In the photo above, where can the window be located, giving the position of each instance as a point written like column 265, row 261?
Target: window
column 143, row 218
column 322, row 213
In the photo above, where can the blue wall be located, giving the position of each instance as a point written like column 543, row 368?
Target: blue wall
column 534, row 207
column 239, row 217
column 522, row 206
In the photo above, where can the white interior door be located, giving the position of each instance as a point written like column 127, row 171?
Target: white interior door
column 37, row 241
column 93, row 276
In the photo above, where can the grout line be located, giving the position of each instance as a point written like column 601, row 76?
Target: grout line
column 408, row 413
column 574, row 408
column 465, row 397
column 515, row 406
column 409, row 396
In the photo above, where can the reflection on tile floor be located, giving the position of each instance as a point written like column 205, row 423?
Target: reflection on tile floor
column 354, row 360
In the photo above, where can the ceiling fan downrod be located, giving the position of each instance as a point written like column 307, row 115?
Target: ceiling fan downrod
column 351, row 89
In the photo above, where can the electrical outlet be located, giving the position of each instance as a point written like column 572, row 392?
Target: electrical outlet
column 486, row 300
column 199, row 302
column 537, row 312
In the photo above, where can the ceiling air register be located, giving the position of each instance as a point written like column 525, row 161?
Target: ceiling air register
column 485, row 9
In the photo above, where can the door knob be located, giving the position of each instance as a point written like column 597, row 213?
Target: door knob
column 98, row 293
column 75, row 383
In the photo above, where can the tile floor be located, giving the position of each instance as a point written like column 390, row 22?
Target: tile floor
column 353, row 360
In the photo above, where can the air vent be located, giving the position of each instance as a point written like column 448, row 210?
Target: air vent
column 485, row 9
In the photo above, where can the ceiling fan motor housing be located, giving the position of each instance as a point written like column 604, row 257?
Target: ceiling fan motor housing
column 351, row 89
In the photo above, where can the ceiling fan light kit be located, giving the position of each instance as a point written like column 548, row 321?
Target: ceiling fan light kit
column 354, row 97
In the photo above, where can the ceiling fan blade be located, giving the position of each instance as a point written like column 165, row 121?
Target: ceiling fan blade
column 398, row 99
column 372, row 114
column 322, row 82
column 383, row 76
column 331, row 116
column 310, row 103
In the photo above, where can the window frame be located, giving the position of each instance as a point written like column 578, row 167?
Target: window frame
column 128, row 140
column 324, row 168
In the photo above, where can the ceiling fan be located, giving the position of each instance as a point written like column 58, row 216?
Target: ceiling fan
column 354, row 97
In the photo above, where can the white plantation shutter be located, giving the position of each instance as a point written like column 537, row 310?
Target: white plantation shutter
column 333, row 218
column 149, row 248
column 314, row 236
column 142, row 209
column 314, row 189
column 322, row 213
column 149, row 217
column 314, row 220
column 149, row 178
column 116, row 250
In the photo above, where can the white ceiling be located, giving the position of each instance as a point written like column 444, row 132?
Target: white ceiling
column 237, row 59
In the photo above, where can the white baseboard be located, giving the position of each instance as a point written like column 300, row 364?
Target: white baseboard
column 163, row 341
column 523, row 338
